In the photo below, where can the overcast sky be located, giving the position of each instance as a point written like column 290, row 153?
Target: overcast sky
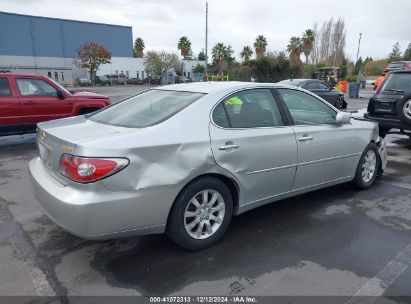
column 237, row 22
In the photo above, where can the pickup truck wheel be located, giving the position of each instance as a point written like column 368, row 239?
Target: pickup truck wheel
column 404, row 109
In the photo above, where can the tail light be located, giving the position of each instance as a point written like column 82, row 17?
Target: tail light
column 87, row 170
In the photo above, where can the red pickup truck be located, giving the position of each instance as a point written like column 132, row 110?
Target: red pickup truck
column 26, row 100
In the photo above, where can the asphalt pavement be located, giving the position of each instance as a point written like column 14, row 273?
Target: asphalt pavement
column 331, row 242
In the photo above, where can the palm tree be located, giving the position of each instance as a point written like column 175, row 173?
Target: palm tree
column 184, row 45
column 260, row 44
column 138, row 48
column 308, row 43
column 246, row 53
column 218, row 52
column 295, row 48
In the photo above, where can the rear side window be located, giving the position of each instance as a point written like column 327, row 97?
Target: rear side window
column 4, row 87
column 248, row 109
column 146, row 109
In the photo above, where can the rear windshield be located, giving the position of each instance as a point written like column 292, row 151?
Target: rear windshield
column 146, row 109
column 398, row 65
column 397, row 82
column 291, row 82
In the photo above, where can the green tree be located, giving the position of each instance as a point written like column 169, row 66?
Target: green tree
column 199, row 68
column 157, row 63
column 91, row 55
column 294, row 49
column 308, row 43
column 138, row 50
column 375, row 67
column 184, row 45
column 407, row 53
column 246, row 53
column 221, row 52
column 395, row 54
column 273, row 67
column 260, row 46
column 358, row 66
column 201, row 55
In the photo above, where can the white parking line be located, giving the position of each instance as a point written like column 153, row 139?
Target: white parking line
column 377, row 285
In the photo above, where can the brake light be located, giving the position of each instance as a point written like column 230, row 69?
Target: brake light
column 87, row 170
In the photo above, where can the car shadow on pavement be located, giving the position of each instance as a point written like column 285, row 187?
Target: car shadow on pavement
column 260, row 242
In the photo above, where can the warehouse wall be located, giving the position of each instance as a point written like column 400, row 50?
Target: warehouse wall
column 50, row 37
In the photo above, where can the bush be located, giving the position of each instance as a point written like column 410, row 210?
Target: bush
column 351, row 78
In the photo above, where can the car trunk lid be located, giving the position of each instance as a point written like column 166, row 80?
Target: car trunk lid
column 55, row 138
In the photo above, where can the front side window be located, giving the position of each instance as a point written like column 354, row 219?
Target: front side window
column 35, row 87
column 146, row 109
column 248, row 109
column 305, row 109
column 4, row 87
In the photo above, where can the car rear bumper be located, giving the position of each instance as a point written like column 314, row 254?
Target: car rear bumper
column 99, row 213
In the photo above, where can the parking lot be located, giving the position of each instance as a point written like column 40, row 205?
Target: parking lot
column 335, row 242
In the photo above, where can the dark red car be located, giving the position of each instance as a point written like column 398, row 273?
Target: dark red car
column 26, row 100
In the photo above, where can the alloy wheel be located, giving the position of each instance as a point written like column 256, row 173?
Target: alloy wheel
column 407, row 109
column 369, row 166
column 204, row 214
column 339, row 102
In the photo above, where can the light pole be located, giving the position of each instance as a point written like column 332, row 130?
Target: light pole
column 359, row 43
column 358, row 52
column 206, row 41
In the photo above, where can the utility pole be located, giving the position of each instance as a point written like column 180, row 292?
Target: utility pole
column 206, row 41
column 359, row 43
column 358, row 52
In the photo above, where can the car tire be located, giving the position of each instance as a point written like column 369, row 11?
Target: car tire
column 188, row 214
column 404, row 109
column 339, row 102
column 368, row 168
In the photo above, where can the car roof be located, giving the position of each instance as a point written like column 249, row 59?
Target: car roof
column 214, row 86
column 21, row 74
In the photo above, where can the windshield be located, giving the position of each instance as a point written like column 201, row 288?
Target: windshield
column 56, row 84
column 397, row 82
column 146, row 109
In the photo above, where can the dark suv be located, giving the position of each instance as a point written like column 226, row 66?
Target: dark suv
column 391, row 105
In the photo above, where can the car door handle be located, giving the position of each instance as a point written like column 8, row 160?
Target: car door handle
column 29, row 102
column 229, row 147
column 305, row 138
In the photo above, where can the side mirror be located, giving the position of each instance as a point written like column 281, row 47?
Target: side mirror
column 343, row 118
column 60, row 94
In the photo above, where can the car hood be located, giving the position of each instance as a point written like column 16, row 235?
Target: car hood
column 87, row 94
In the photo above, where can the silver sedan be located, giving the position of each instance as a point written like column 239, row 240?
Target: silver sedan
column 183, row 159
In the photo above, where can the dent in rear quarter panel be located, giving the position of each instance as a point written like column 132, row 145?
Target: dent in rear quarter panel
column 163, row 159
